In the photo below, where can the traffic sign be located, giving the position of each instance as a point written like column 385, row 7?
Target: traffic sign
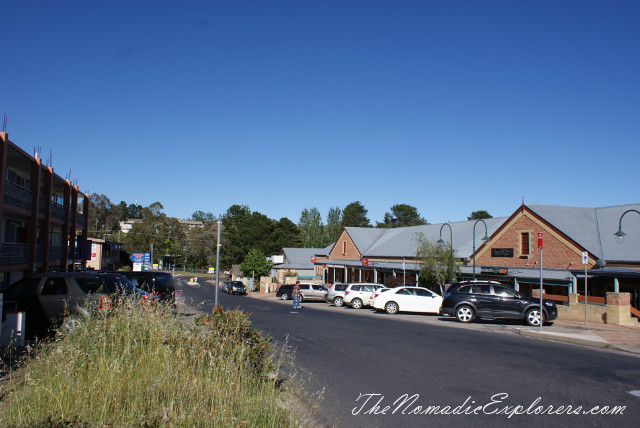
column 585, row 258
column 540, row 240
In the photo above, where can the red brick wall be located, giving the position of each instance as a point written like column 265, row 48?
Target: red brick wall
column 338, row 253
column 557, row 253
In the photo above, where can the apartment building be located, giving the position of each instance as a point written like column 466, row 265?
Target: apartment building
column 43, row 217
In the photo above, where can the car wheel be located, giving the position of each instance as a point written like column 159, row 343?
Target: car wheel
column 72, row 322
column 391, row 308
column 534, row 317
column 338, row 301
column 464, row 314
column 284, row 296
column 356, row 303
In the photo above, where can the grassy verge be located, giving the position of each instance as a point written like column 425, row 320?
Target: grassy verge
column 148, row 368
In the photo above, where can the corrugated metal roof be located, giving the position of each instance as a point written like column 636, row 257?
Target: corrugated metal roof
column 364, row 237
column 403, row 241
column 594, row 229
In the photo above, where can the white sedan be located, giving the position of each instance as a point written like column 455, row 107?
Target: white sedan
column 408, row 299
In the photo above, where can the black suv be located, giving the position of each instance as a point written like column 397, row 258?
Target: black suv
column 285, row 291
column 236, row 287
column 467, row 300
column 160, row 283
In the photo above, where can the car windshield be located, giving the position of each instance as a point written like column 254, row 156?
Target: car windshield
column 120, row 284
column 163, row 281
column 91, row 284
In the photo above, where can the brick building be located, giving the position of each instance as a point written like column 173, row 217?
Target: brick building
column 511, row 255
column 43, row 217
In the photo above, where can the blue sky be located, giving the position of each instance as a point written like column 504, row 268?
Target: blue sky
column 449, row 106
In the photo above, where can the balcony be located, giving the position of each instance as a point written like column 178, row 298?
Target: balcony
column 16, row 195
column 56, row 252
column 14, row 253
column 57, row 211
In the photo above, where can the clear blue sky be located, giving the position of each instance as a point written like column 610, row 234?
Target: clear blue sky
column 449, row 106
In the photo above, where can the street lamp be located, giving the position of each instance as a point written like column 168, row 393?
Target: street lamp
column 440, row 241
column 620, row 234
column 485, row 238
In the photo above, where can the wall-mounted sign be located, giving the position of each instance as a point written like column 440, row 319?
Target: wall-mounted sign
column 494, row 271
column 502, row 252
column 365, row 261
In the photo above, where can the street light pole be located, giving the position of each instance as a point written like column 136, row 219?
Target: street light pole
column 485, row 238
column 218, row 262
column 440, row 241
column 620, row 234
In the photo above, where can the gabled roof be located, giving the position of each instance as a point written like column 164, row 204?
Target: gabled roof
column 300, row 258
column 594, row 228
column 403, row 241
column 364, row 237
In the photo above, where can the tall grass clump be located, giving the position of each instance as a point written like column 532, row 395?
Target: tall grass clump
column 140, row 367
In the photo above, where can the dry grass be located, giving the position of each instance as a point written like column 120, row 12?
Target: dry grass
column 141, row 367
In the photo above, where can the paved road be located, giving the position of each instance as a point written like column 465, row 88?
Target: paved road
column 349, row 354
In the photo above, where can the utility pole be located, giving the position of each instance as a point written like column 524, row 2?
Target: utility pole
column 217, row 263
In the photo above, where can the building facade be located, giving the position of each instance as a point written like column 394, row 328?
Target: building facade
column 43, row 217
column 511, row 255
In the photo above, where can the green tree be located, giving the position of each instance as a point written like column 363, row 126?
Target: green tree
column 435, row 261
column 255, row 264
column 402, row 215
column 355, row 215
column 203, row 217
column 334, row 225
column 104, row 216
column 243, row 230
column 478, row 215
column 311, row 229
column 134, row 211
column 286, row 235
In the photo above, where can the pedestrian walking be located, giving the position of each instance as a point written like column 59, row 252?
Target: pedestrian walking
column 296, row 295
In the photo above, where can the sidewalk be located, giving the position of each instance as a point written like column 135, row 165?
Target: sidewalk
column 602, row 336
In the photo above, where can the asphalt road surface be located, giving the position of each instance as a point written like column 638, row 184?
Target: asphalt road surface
column 377, row 370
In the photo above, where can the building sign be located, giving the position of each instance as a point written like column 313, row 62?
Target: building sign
column 502, row 252
column 494, row 271
column 141, row 261
column 365, row 261
column 313, row 259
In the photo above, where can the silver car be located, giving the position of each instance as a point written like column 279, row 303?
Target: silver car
column 335, row 294
column 312, row 291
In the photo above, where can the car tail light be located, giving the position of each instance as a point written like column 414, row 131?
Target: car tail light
column 104, row 304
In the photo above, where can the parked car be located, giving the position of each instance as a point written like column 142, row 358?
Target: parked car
column 46, row 298
column 335, row 293
column 285, row 291
column 358, row 294
column 467, row 300
column 408, row 299
column 236, row 287
column 313, row 291
column 153, row 282
column 309, row 290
